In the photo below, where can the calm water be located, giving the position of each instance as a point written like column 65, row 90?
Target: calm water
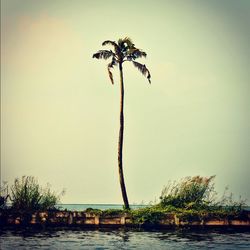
column 123, row 239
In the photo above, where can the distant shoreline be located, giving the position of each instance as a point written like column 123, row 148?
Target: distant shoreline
column 71, row 207
column 77, row 207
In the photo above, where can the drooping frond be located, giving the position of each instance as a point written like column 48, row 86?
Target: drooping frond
column 135, row 53
column 110, row 75
column 143, row 69
column 110, row 43
column 111, row 65
column 138, row 53
column 103, row 54
column 114, row 44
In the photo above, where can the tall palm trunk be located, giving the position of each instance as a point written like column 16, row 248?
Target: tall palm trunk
column 120, row 143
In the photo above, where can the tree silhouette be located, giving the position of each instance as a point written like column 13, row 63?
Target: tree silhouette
column 124, row 51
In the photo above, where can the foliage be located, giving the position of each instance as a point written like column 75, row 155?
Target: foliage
column 191, row 199
column 124, row 50
column 107, row 212
column 27, row 194
column 4, row 195
column 93, row 211
column 147, row 215
column 112, row 212
column 190, row 192
column 154, row 214
column 228, row 204
column 196, row 194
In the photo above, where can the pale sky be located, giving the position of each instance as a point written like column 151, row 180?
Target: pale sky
column 60, row 113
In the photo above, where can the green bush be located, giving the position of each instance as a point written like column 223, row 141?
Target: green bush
column 27, row 194
column 94, row 211
column 107, row 212
column 198, row 193
column 112, row 212
column 190, row 192
column 147, row 215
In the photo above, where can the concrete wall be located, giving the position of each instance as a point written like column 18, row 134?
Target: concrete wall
column 67, row 218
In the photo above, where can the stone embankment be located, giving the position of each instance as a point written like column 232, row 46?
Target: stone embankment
column 85, row 219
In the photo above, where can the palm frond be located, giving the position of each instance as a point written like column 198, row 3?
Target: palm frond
column 120, row 42
column 114, row 44
column 108, row 42
column 139, row 53
column 125, row 45
column 135, row 53
column 111, row 65
column 143, row 69
column 110, row 75
column 103, row 54
column 128, row 41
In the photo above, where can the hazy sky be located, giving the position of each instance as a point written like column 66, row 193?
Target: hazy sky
column 60, row 113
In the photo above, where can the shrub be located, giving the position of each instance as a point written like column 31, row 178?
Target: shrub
column 107, row 212
column 112, row 212
column 198, row 193
column 147, row 215
column 3, row 195
column 27, row 194
column 94, row 211
column 190, row 192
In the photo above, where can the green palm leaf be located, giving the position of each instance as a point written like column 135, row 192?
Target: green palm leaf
column 111, row 65
column 114, row 44
column 143, row 69
column 138, row 53
column 108, row 42
column 127, row 41
column 110, row 75
column 103, row 54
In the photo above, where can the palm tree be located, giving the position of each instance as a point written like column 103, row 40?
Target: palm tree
column 124, row 51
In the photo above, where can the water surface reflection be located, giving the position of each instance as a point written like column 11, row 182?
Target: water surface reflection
column 123, row 239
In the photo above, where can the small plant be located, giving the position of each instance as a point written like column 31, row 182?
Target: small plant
column 94, row 211
column 112, row 212
column 27, row 194
column 107, row 212
column 147, row 215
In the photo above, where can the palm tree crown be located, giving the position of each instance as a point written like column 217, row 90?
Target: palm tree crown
column 124, row 50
